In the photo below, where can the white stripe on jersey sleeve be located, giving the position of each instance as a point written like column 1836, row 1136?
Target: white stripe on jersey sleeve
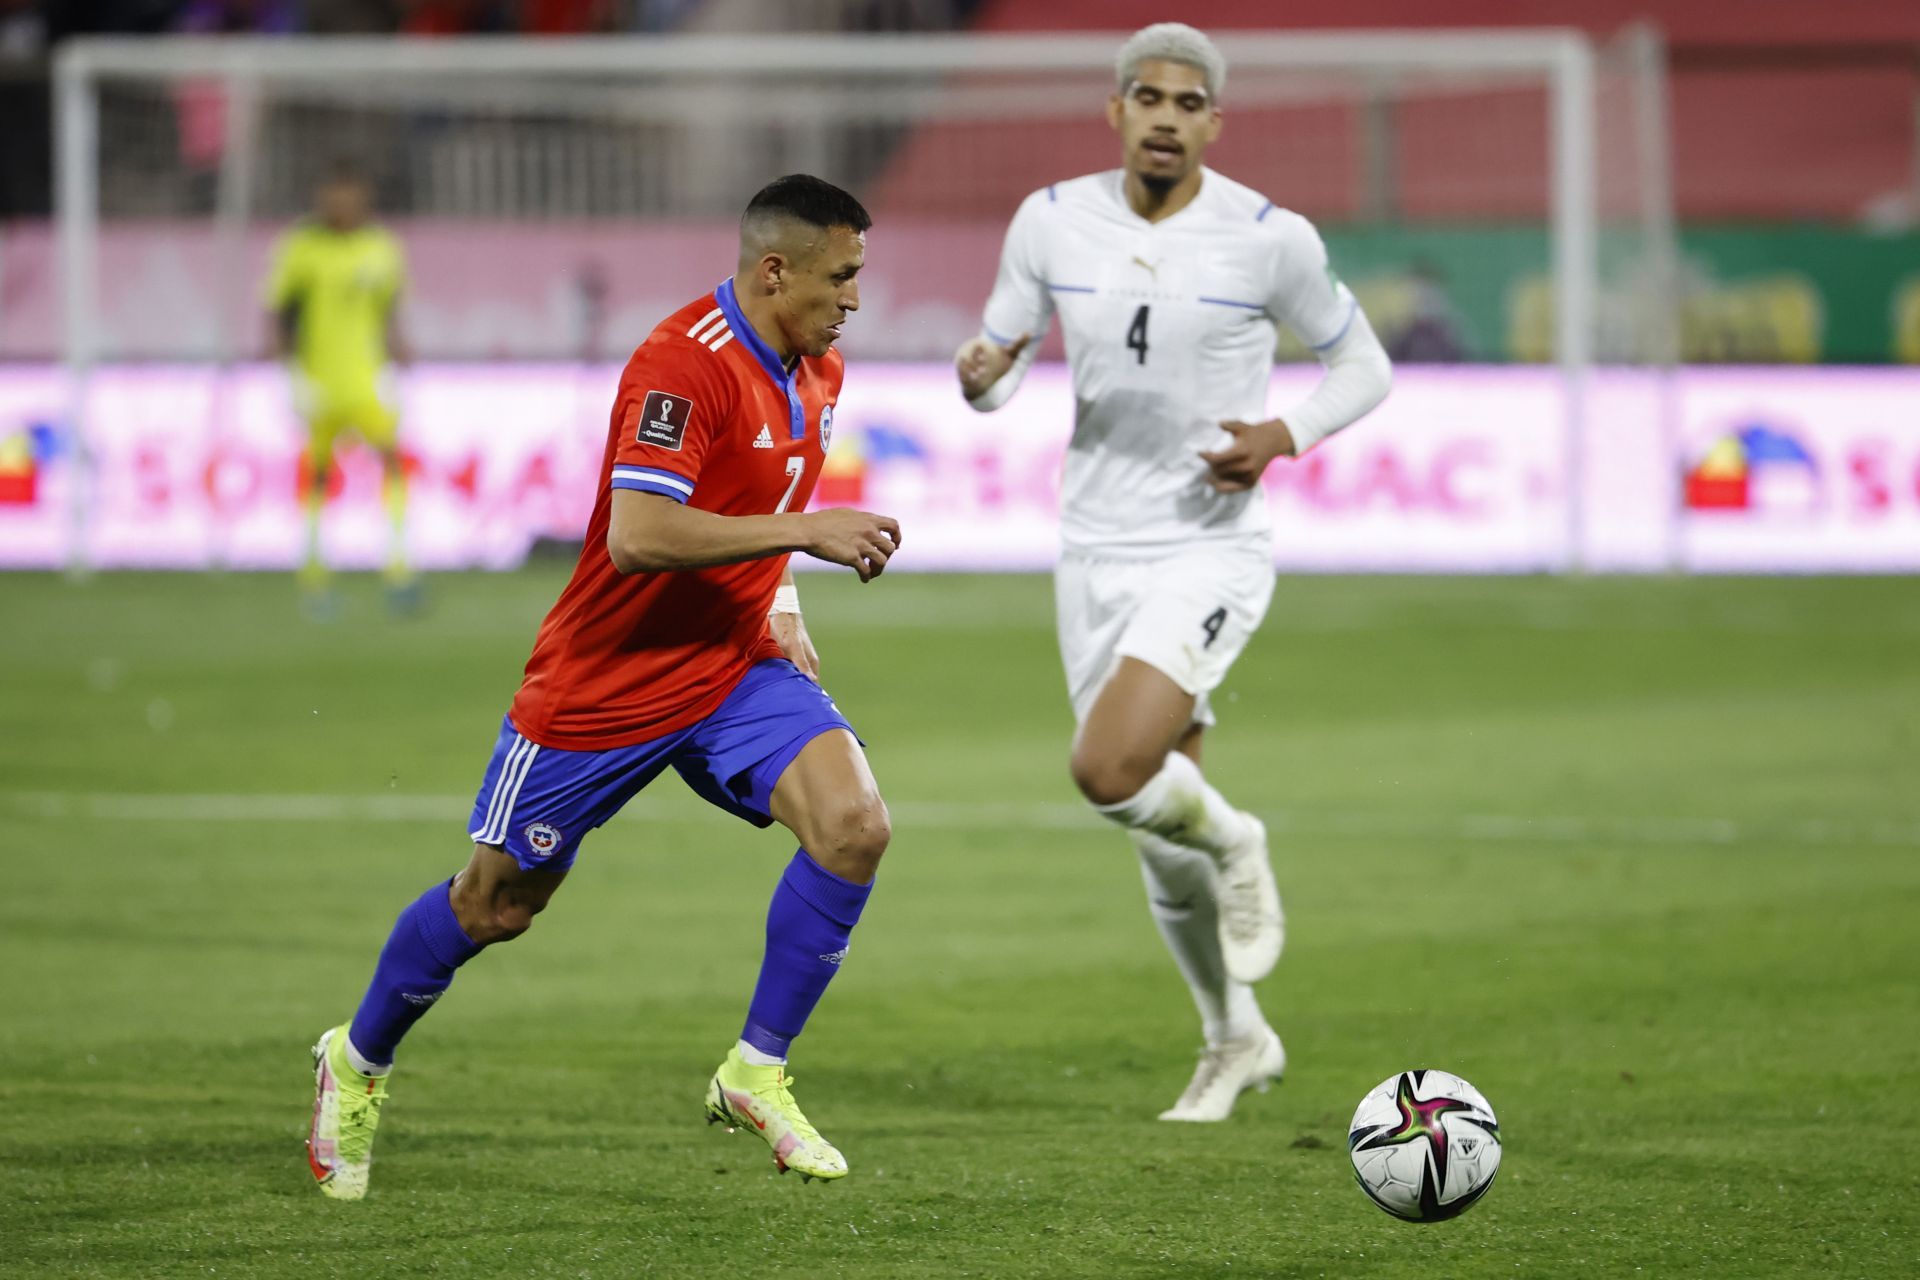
column 649, row 476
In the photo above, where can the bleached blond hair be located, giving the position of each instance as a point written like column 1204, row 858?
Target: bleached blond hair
column 1172, row 42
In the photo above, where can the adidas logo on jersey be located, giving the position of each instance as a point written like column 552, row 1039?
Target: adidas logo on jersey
column 765, row 439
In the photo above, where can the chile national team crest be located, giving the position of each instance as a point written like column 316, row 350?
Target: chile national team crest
column 542, row 839
column 826, row 427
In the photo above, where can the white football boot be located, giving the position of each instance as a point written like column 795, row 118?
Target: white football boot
column 1226, row 1071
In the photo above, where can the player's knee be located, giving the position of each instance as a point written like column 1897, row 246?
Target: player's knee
column 499, row 916
column 853, row 834
column 475, row 912
column 1105, row 776
column 512, row 918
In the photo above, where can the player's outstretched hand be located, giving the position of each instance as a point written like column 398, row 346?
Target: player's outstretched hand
column 981, row 362
column 1238, row 465
column 862, row 541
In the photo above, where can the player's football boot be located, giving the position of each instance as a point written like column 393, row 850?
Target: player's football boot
column 1252, row 926
column 760, row 1100
column 346, row 1110
column 1225, row 1072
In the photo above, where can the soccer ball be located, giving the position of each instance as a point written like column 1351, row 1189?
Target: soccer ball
column 1425, row 1145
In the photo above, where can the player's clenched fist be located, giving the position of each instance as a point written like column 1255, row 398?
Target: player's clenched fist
column 981, row 362
column 1237, row 465
column 862, row 541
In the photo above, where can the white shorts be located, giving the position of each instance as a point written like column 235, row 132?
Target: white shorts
column 1188, row 615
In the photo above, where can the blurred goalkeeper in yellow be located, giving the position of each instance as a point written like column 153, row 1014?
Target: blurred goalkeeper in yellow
column 334, row 296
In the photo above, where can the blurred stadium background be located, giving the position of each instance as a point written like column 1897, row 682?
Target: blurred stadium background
column 1634, row 852
column 1653, row 276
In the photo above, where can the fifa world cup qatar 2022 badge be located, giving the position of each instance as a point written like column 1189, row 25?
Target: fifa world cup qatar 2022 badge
column 663, row 420
column 543, row 839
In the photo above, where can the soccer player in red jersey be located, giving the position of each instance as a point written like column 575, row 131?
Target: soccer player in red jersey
column 678, row 643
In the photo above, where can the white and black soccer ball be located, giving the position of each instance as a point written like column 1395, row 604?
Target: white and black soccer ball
column 1425, row 1145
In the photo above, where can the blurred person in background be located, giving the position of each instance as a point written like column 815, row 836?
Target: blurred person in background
column 333, row 297
column 1169, row 279
column 1430, row 329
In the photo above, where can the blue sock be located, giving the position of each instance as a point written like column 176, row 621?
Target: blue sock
column 416, row 965
column 812, row 913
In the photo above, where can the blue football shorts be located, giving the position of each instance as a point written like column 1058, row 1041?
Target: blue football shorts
column 539, row 802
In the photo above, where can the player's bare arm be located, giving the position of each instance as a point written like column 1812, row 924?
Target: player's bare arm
column 652, row 534
column 1238, row 465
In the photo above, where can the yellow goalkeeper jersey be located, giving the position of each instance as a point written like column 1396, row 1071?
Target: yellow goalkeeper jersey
column 341, row 286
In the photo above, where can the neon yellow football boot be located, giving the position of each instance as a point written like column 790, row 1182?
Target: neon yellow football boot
column 760, row 1100
column 346, row 1110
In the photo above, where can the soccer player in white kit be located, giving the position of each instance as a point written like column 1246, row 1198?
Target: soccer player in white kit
column 1168, row 279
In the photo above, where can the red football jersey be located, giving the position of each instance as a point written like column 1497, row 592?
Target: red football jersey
column 706, row 415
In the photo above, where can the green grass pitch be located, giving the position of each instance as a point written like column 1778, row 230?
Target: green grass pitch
column 1640, row 858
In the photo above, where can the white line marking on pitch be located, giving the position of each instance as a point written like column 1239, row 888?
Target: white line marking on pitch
column 109, row 806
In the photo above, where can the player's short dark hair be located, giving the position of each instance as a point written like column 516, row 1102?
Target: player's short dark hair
column 808, row 199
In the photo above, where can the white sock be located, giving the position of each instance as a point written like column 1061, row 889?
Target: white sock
column 1178, row 804
column 358, row 1061
column 1181, row 895
column 757, row 1058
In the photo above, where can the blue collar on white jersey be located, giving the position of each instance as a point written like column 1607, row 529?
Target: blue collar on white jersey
column 782, row 378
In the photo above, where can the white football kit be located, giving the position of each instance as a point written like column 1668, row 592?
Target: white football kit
column 1169, row 330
